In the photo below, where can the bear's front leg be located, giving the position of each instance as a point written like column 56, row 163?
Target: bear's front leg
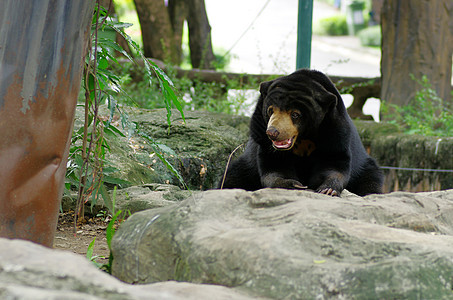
column 333, row 184
column 276, row 180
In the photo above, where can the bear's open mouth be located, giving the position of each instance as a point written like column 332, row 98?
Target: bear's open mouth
column 284, row 144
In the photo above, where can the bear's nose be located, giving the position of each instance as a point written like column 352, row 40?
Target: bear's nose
column 272, row 133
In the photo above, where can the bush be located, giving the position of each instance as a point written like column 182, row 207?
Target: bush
column 371, row 36
column 196, row 95
column 335, row 25
column 426, row 114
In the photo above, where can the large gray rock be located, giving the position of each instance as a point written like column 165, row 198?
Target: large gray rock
column 31, row 271
column 138, row 198
column 287, row 244
column 197, row 148
column 132, row 199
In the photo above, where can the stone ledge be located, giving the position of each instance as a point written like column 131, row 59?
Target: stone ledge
column 286, row 244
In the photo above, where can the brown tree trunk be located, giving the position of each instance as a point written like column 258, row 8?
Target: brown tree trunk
column 162, row 30
column 41, row 73
column 417, row 39
column 376, row 6
column 177, row 10
column 201, row 53
column 157, row 32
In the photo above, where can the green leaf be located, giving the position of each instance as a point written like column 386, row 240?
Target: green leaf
column 114, row 196
column 111, row 230
column 112, row 130
column 72, row 181
column 90, row 249
column 103, row 63
column 107, row 43
column 109, row 169
column 115, row 180
column 112, row 104
column 157, row 150
column 167, row 90
column 118, row 25
column 67, row 188
column 115, row 46
column 105, row 195
column 166, row 149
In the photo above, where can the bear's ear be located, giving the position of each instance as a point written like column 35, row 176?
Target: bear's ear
column 264, row 87
column 327, row 93
column 326, row 99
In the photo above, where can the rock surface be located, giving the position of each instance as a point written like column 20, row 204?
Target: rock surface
column 138, row 198
column 426, row 154
column 146, row 196
column 286, row 244
column 31, row 271
column 198, row 149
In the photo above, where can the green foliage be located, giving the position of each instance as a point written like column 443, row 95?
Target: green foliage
column 350, row 88
column 87, row 169
column 425, row 115
column 212, row 96
column 122, row 6
column 110, row 232
column 335, row 25
column 221, row 61
column 90, row 255
column 371, row 36
column 167, row 88
column 221, row 58
column 229, row 97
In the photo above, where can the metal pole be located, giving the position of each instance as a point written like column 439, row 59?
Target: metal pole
column 42, row 46
column 304, row 32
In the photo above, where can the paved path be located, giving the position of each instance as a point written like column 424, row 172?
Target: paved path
column 269, row 46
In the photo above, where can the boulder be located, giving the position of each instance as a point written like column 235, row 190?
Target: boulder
column 138, row 198
column 132, row 199
column 31, row 271
column 287, row 244
column 197, row 148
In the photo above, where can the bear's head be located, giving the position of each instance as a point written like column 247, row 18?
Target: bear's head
column 295, row 106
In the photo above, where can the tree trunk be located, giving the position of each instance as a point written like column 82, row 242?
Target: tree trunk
column 162, row 30
column 177, row 10
column 417, row 39
column 201, row 53
column 157, row 32
column 376, row 6
column 43, row 45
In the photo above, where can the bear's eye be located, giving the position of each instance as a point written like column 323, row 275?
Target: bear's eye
column 270, row 111
column 295, row 115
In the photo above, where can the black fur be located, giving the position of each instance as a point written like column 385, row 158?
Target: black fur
column 339, row 160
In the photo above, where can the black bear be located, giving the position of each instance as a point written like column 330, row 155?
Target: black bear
column 301, row 136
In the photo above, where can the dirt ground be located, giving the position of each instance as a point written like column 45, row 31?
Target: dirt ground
column 78, row 242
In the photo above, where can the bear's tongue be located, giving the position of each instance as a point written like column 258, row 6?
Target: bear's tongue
column 284, row 144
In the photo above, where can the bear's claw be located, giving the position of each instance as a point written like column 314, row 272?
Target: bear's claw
column 329, row 191
column 299, row 186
